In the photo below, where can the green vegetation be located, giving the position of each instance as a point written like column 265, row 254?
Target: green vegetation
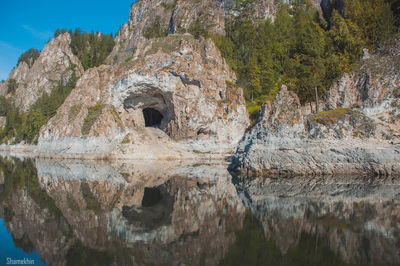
column 197, row 29
column 74, row 111
column 362, row 124
column 93, row 113
column 330, row 117
column 126, row 140
column 25, row 126
column 125, row 175
column 167, row 44
column 29, row 57
column 155, row 29
column 91, row 201
column 12, row 85
column 300, row 49
column 22, row 175
column 80, row 255
column 251, row 248
column 169, row 6
column 91, row 49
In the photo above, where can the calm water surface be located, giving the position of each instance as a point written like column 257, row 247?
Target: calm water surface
column 148, row 213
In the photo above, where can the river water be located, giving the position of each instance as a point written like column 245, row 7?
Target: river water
column 190, row 213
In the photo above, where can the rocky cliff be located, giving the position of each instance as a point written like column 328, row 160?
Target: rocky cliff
column 177, row 16
column 155, row 92
column 357, row 133
column 55, row 63
column 173, row 89
column 161, row 93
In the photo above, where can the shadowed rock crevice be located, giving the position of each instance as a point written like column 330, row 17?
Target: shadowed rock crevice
column 152, row 117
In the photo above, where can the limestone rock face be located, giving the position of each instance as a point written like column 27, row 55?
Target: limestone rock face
column 374, row 85
column 353, row 135
column 176, row 17
column 173, row 89
column 56, row 62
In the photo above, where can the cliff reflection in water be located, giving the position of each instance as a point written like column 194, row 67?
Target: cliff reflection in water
column 124, row 213
column 89, row 213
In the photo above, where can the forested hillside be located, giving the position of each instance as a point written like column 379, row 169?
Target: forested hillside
column 302, row 49
column 91, row 49
column 25, row 126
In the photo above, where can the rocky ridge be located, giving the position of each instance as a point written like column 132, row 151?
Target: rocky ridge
column 177, row 16
column 178, row 79
column 55, row 63
column 357, row 133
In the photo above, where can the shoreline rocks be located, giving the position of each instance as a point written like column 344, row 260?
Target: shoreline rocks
column 357, row 133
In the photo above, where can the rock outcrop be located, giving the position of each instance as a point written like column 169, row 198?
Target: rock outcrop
column 357, row 133
column 160, row 94
column 55, row 63
column 173, row 95
column 177, row 16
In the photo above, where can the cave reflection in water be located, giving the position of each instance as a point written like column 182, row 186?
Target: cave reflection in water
column 120, row 213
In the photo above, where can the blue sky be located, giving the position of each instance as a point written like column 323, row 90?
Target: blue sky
column 27, row 23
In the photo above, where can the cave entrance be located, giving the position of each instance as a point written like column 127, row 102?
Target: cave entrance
column 152, row 117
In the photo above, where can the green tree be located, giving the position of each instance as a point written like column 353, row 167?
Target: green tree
column 12, row 85
column 197, row 29
column 26, row 126
column 29, row 57
column 91, row 49
column 374, row 18
column 156, row 29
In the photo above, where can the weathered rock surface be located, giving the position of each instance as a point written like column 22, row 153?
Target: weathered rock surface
column 2, row 122
column 55, row 63
column 181, row 84
column 179, row 79
column 176, row 17
column 354, row 135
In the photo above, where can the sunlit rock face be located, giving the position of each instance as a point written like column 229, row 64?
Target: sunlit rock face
column 181, row 80
column 357, row 132
column 123, row 212
column 176, row 17
column 173, row 94
column 358, row 218
column 55, row 64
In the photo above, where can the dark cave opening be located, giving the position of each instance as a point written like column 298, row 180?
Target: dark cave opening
column 151, row 197
column 152, row 117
